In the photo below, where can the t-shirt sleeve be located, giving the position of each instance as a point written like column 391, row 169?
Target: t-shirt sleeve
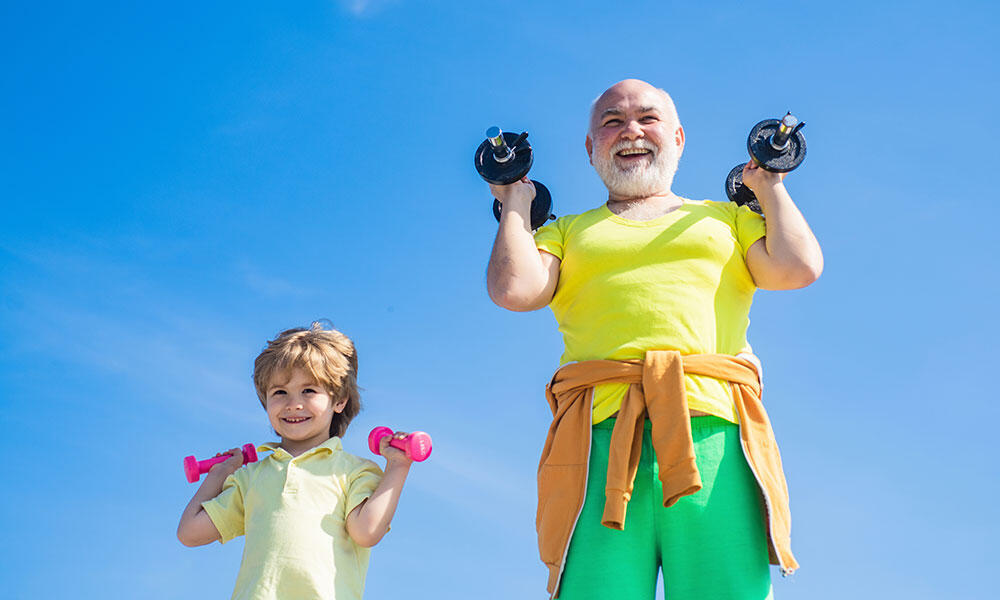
column 226, row 509
column 550, row 238
column 361, row 483
column 750, row 227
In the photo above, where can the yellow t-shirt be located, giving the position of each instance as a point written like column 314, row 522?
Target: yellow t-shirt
column 293, row 512
column 677, row 282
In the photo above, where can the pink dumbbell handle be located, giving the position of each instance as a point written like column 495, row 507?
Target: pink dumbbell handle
column 194, row 469
column 417, row 445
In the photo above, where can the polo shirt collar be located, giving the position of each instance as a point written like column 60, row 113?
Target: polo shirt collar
column 329, row 447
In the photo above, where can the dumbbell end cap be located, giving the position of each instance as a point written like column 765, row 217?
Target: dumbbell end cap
column 249, row 453
column 493, row 132
column 375, row 437
column 420, row 446
column 191, row 469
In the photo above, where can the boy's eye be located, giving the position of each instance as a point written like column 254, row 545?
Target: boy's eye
column 308, row 391
column 277, row 392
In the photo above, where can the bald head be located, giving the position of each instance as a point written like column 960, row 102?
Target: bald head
column 635, row 140
column 631, row 91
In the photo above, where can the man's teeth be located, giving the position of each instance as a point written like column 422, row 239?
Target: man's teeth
column 631, row 151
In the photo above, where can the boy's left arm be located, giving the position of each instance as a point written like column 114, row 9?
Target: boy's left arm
column 370, row 520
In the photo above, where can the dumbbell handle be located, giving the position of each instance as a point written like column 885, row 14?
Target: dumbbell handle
column 501, row 151
column 194, row 468
column 417, row 445
column 786, row 129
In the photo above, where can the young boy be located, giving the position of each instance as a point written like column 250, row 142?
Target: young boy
column 309, row 510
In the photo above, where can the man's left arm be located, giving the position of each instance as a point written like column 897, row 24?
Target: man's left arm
column 789, row 256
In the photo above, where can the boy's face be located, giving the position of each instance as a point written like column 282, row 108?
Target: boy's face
column 299, row 409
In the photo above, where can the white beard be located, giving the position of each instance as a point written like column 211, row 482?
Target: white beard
column 642, row 180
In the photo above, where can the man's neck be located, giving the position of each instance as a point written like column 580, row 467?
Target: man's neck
column 645, row 208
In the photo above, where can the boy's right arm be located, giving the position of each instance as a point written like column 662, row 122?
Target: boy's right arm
column 196, row 528
column 519, row 276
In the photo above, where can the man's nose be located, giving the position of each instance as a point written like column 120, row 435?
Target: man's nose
column 632, row 130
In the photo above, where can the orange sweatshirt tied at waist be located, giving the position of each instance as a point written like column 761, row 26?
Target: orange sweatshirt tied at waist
column 656, row 390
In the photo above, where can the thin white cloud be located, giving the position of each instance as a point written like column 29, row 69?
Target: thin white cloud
column 363, row 8
column 108, row 317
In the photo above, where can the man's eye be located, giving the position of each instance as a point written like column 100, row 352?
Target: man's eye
column 612, row 122
column 649, row 119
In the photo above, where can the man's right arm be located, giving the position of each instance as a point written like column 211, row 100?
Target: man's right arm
column 520, row 277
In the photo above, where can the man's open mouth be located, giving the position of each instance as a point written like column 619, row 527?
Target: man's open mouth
column 634, row 154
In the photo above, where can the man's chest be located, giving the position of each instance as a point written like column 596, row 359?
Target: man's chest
column 612, row 246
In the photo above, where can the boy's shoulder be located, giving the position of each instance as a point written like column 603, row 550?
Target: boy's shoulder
column 355, row 461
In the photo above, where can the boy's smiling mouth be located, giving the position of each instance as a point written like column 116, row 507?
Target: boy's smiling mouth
column 294, row 419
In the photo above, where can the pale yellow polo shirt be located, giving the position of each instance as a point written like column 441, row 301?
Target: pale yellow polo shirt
column 293, row 513
column 677, row 282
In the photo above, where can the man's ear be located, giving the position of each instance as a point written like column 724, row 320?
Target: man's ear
column 589, row 145
column 679, row 137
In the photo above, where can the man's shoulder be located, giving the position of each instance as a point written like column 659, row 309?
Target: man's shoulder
column 712, row 205
column 588, row 216
column 724, row 211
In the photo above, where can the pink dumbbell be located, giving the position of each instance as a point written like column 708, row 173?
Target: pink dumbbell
column 417, row 445
column 194, row 468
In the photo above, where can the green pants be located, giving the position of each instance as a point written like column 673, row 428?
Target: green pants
column 710, row 545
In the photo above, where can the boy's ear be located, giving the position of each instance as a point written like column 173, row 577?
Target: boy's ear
column 338, row 407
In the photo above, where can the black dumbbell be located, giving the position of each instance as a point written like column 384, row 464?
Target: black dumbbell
column 777, row 146
column 505, row 158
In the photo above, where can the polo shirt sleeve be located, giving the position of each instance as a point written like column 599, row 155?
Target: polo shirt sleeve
column 550, row 238
column 361, row 483
column 750, row 227
column 226, row 509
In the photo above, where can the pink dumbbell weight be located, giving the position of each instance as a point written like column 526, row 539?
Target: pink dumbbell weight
column 194, row 468
column 417, row 445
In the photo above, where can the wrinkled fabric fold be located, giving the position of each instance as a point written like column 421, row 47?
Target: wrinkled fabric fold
column 656, row 390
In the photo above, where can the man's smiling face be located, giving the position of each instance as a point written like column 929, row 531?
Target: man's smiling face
column 635, row 141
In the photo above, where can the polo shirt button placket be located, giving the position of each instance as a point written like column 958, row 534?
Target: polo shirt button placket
column 291, row 480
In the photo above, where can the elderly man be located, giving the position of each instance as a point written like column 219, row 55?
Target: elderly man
column 660, row 454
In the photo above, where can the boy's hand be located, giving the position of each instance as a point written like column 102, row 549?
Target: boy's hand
column 229, row 466
column 393, row 455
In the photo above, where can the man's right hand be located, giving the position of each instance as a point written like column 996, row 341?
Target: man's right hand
column 515, row 195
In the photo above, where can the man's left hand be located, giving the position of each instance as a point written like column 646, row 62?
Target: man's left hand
column 757, row 178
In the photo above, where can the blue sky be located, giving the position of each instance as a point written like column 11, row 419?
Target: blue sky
column 182, row 181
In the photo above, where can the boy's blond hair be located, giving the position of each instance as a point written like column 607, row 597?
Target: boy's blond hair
column 328, row 355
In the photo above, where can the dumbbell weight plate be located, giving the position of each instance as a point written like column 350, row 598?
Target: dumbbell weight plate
column 776, row 161
column 739, row 193
column 541, row 206
column 504, row 173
